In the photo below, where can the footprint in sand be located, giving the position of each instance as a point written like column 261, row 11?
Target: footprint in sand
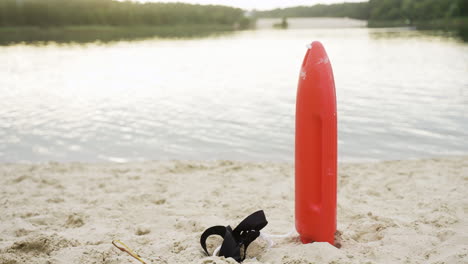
column 74, row 220
column 41, row 244
column 142, row 230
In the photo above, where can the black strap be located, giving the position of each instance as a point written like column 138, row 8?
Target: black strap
column 245, row 233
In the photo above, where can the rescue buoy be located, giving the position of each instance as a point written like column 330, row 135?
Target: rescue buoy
column 316, row 149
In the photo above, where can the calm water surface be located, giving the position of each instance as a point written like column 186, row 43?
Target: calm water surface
column 401, row 94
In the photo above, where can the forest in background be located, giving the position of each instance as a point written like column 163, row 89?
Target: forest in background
column 50, row 13
column 46, row 13
column 381, row 12
column 352, row 10
column 108, row 20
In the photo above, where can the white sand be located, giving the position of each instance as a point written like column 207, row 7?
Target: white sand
column 389, row 212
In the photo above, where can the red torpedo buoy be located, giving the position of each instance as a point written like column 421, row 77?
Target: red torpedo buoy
column 316, row 147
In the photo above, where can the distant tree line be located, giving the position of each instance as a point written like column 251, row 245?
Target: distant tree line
column 411, row 10
column 414, row 10
column 113, row 13
column 352, row 10
column 49, row 13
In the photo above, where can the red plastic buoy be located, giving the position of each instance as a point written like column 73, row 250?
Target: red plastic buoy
column 316, row 148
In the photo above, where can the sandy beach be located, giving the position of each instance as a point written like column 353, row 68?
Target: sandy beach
column 388, row 212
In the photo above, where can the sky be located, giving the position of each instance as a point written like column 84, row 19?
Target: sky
column 258, row 4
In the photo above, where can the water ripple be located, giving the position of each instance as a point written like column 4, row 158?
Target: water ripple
column 230, row 97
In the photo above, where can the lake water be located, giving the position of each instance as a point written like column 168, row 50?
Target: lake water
column 401, row 94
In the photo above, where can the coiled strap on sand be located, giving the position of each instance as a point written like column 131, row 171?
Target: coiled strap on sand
column 245, row 233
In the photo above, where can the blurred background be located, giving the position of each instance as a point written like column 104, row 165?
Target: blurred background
column 104, row 80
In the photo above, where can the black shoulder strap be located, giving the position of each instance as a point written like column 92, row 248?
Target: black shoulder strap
column 245, row 233
column 214, row 230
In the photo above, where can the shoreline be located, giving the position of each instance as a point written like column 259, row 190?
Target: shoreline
column 388, row 212
column 103, row 33
column 457, row 26
column 10, row 35
column 172, row 160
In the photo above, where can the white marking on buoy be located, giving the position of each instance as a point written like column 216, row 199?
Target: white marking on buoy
column 303, row 75
column 323, row 60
